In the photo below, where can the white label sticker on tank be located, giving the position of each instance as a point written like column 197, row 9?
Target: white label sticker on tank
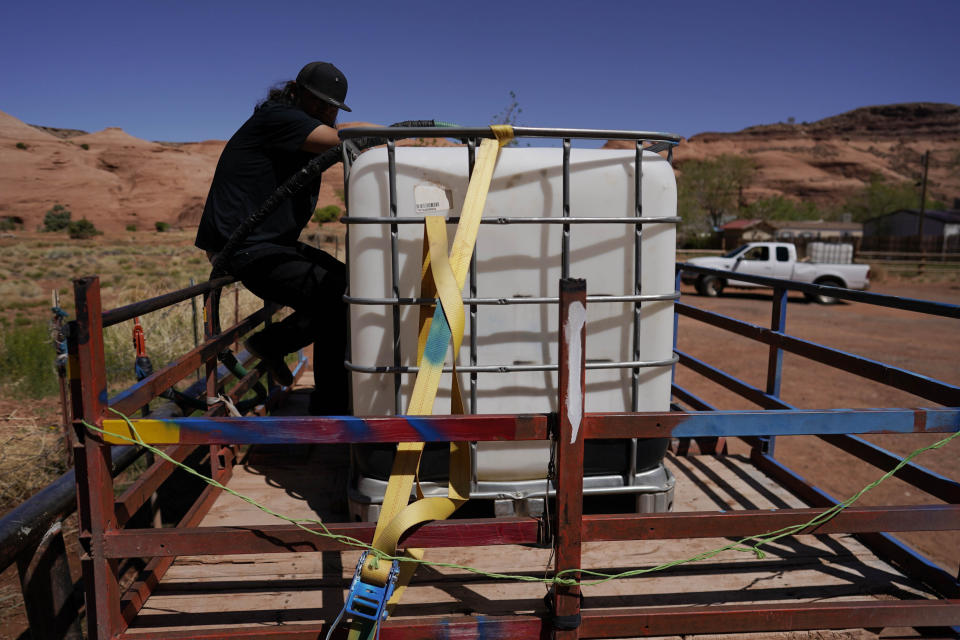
column 432, row 197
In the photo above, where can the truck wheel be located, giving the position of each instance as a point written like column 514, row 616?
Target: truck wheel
column 821, row 298
column 710, row 286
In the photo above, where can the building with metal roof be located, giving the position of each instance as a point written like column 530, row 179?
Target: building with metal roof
column 900, row 230
column 736, row 232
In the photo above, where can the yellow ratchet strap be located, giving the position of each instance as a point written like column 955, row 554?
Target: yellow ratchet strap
column 447, row 276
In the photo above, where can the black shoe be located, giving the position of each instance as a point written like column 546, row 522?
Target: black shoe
column 273, row 363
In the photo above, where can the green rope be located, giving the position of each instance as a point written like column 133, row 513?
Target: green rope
column 741, row 545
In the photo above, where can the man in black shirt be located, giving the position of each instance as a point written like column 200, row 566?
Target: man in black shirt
column 289, row 128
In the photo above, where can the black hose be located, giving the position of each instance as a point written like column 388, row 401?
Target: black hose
column 143, row 367
column 295, row 183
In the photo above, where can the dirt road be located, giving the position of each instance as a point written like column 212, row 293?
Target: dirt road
column 923, row 344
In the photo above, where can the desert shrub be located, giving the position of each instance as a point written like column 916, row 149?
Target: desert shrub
column 131, row 227
column 781, row 208
column 21, row 145
column 161, row 226
column 702, row 240
column 57, row 218
column 27, row 360
column 32, row 453
column 878, row 272
column 326, row 214
column 82, row 229
column 85, row 146
column 8, row 224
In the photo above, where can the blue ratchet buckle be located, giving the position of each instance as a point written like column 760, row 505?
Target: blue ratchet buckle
column 369, row 601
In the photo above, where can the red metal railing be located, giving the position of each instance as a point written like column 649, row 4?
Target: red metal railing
column 109, row 609
column 106, row 542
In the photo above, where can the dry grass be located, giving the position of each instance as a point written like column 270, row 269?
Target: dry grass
column 168, row 333
column 31, row 443
column 131, row 268
column 30, row 267
column 33, row 265
column 31, row 455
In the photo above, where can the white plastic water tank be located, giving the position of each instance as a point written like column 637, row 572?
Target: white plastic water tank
column 518, row 260
column 830, row 252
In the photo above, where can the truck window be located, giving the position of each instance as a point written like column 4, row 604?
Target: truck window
column 783, row 254
column 758, row 253
column 731, row 254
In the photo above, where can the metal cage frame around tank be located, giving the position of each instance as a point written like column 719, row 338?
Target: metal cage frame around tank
column 655, row 142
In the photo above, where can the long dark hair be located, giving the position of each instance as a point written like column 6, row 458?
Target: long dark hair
column 282, row 92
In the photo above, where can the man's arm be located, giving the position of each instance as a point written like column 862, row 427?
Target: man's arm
column 320, row 139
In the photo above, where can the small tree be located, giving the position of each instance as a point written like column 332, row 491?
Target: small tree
column 879, row 197
column 781, row 208
column 326, row 214
column 57, row 218
column 709, row 189
column 82, row 229
column 161, row 226
column 509, row 115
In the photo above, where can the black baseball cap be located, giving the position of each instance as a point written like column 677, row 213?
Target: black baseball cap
column 325, row 81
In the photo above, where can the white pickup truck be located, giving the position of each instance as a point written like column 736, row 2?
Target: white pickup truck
column 775, row 260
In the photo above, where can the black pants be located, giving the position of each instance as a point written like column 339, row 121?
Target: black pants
column 312, row 283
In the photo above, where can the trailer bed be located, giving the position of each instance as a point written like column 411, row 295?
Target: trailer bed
column 202, row 594
column 290, row 584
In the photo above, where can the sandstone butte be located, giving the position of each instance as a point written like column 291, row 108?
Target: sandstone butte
column 114, row 179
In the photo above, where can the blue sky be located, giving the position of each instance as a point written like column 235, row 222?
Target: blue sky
column 183, row 71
